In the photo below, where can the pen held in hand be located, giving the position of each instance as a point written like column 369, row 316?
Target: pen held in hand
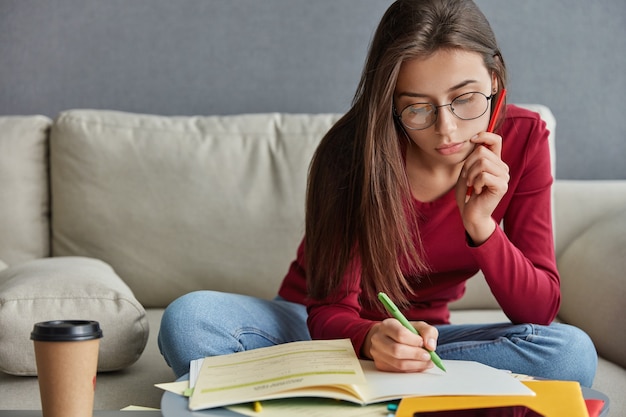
column 395, row 312
column 490, row 128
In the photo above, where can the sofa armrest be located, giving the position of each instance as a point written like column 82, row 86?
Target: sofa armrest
column 580, row 203
column 593, row 284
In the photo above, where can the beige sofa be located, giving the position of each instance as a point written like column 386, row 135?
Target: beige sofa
column 111, row 216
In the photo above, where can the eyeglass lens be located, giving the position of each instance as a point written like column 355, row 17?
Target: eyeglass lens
column 467, row 106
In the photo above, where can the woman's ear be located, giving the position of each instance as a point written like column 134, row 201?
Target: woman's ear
column 494, row 82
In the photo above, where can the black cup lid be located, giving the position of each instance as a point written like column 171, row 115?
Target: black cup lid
column 66, row 330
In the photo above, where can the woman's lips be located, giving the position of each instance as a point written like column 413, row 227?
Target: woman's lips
column 451, row 148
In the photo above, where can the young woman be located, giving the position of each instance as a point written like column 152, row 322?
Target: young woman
column 388, row 209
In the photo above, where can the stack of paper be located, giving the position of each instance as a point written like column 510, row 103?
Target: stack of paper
column 330, row 369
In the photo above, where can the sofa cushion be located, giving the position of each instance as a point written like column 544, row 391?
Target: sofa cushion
column 176, row 204
column 68, row 288
column 593, row 285
column 24, row 212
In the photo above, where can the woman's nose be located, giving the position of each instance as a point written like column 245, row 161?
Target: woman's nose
column 446, row 120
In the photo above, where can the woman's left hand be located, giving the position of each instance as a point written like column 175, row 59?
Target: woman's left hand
column 487, row 176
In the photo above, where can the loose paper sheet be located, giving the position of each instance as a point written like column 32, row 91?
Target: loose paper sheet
column 462, row 378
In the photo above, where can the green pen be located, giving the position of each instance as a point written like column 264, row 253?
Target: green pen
column 393, row 310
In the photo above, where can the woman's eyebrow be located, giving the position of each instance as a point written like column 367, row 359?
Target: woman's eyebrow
column 451, row 89
column 462, row 84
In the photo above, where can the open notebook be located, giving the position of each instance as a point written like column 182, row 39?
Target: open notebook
column 330, row 369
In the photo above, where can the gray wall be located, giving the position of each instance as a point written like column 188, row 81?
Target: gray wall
column 188, row 57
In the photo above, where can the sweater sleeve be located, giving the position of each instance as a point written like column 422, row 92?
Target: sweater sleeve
column 338, row 321
column 526, row 293
column 519, row 262
column 339, row 316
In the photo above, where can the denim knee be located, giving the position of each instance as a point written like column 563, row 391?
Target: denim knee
column 177, row 324
column 177, row 313
column 575, row 356
column 210, row 323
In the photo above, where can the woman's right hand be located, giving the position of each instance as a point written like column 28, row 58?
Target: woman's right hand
column 394, row 348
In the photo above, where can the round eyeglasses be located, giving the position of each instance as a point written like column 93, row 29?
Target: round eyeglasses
column 468, row 106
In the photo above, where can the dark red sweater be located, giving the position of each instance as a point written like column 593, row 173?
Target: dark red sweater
column 519, row 264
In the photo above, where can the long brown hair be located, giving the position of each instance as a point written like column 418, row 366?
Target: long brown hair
column 359, row 211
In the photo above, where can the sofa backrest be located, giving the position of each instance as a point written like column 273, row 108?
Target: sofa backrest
column 176, row 204
column 24, row 197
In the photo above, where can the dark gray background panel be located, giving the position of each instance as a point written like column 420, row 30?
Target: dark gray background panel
column 200, row 57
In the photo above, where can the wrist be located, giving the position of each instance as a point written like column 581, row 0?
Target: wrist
column 478, row 234
column 366, row 347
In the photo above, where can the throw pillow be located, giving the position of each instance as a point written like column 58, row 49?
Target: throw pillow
column 68, row 288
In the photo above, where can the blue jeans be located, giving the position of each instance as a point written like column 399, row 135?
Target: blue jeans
column 209, row 323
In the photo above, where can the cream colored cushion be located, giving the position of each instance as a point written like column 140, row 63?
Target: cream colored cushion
column 177, row 204
column 24, row 207
column 68, row 288
column 593, row 285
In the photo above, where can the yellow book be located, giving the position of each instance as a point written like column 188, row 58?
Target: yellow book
column 552, row 399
